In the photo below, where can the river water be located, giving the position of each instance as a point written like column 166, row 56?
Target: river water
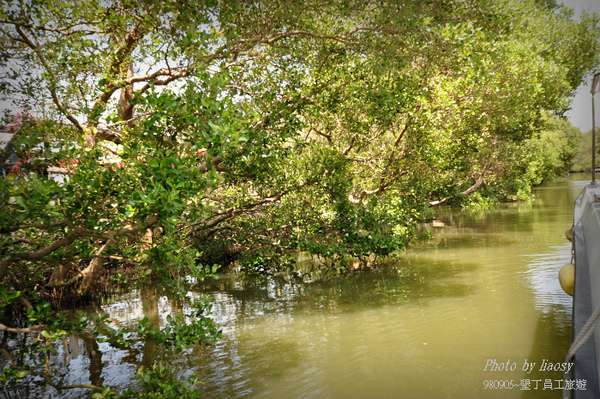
column 473, row 305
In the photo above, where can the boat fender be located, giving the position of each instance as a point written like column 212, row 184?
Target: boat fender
column 569, row 233
column 566, row 277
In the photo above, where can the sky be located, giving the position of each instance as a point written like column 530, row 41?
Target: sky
column 581, row 110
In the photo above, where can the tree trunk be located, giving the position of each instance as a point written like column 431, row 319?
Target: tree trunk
column 125, row 107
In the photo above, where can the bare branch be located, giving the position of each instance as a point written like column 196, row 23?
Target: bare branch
column 57, row 386
column 122, row 259
column 154, row 78
column 25, row 302
column 479, row 181
column 27, row 330
column 69, row 239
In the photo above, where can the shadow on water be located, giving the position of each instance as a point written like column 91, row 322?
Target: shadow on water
column 410, row 279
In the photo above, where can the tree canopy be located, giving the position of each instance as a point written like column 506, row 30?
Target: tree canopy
column 203, row 132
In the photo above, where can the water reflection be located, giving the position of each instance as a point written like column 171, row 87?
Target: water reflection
column 484, row 287
column 412, row 279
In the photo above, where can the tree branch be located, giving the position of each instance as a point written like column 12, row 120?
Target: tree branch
column 110, row 235
column 327, row 136
column 54, row 80
column 339, row 38
column 83, row 273
column 40, row 225
column 397, row 143
column 231, row 212
column 27, row 330
column 469, row 190
column 153, row 78
column 59, row 387
column 350, row 145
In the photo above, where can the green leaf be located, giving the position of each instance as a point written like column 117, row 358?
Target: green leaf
column 21, row 374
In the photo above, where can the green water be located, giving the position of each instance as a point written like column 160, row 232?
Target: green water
column 484, row 288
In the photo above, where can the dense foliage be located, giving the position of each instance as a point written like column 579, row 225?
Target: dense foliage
column 582, row 162
column 205, row 133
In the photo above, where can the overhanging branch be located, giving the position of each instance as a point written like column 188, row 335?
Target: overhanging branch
column 77, row 233
column 469, row 190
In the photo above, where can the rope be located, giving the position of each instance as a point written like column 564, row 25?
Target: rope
column 583, row 336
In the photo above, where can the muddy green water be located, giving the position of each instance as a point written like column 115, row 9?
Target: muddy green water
column 483, row 289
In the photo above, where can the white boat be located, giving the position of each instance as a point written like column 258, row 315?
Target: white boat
column 585, row 349
column 586, row 293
